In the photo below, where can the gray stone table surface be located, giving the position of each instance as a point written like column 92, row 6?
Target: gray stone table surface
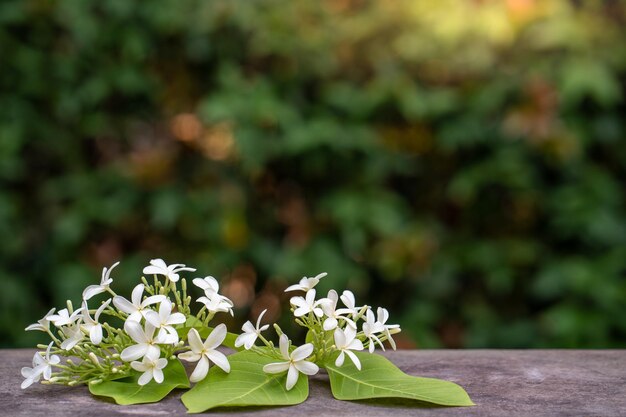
column 501, row 382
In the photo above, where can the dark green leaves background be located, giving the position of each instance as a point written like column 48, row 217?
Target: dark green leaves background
column 460, row 162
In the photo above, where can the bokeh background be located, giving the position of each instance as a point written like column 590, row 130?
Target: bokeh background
column 462, row 162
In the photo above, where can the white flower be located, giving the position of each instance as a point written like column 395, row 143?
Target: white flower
column 42, row 365
column 63, row 317
column 295, row 362
column 146, row 342
column 92, row 326
column 159, row 267
column 216, row 303
column 370, row 328
column 306, row 284
column 73, row 335
column 250, row 333
column 389, row 329
column 43, row 324
column 329, row 306
column 208, row 284
column 206, row 352
column 347, row 298
column 152, row 367
column 307, row 305
column 346, row 342
column 164, row 319
column 105, row 281
column 137, row 309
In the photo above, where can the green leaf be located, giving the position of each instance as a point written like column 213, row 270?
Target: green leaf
column 204, row 331
column 379, row 378
column 127, row 391
column 245, row 385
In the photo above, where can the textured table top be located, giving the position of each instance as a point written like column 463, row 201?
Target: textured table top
column 500, row 382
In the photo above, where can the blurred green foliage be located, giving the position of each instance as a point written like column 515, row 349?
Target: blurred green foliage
column 461, row 162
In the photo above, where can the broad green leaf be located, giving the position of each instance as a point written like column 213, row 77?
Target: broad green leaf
column 127, row 391
column 379, row 378
column 245, row 385
column 204, row 332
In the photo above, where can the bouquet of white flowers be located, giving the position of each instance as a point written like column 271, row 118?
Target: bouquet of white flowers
column 139, row 361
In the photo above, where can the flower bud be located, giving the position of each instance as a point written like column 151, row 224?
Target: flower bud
column 94, row 358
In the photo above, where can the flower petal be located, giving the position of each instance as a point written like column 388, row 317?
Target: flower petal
column 292, row 377
column 350, row 334
column 310, row 297
column 258, row 320
column 145, row 378
column 302, row 352
column 177, row 318
column 135, row 297
column 354, row 358
column 195, row 342
column 47, row 373
column 340, row 359
column 306, row 367
column 200, row 283
column 190, row 356
column 153, row 299
column 283, row 343
column 133, row 352
column 298, row 301
column 156, row 263
column 301, row 311
column 153, row 318
column 248, row 327
column 219, row 359
column 356, row 344
column 330, row 323
column 124, row 305
column 158, row 375
column 246, row 340
column 340, row 339
column 153, row 352
column 139, row 366
column 135, row 331
column 347, row 297
column 216, row 337
column 161, row 363
column 92, row 291
column 201, row 370
column 95, row 334
column 101, row 309
column 295, row 287
column 276, row 367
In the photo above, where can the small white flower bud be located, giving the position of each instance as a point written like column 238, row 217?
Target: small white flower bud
column 94, row 358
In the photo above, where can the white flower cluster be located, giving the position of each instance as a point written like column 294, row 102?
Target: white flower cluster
column 148, row 338
column 332, row 329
